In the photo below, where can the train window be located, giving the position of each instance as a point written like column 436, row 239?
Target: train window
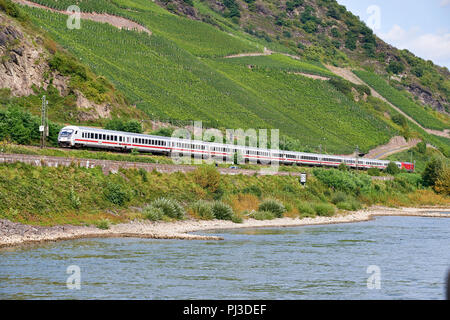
column 76, row 132
column 96, row 136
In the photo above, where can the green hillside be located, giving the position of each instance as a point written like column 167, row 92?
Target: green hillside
column 404, row 101
column 180, row 71
column 167, row 81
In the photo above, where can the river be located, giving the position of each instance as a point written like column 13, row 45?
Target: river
column 403, row 258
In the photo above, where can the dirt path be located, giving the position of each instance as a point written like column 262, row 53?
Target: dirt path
column 350, row 76
column 395, row 145
column 116, row 21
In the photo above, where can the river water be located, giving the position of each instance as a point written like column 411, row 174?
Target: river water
column 386, row 258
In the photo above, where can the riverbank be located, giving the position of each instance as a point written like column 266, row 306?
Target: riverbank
column 12, row 234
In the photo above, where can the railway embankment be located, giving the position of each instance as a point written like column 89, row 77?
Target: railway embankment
column 111, row 166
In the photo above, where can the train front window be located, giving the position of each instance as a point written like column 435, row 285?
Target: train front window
column 66, row 133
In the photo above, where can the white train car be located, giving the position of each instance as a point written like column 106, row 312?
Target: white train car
column 74, row 136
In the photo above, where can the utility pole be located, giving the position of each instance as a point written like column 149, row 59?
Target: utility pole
column 357, row 156
column 43, row 128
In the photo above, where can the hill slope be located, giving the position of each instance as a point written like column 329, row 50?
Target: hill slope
column 180, row 72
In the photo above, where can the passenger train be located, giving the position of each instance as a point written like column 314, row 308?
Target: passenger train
column 74, row 136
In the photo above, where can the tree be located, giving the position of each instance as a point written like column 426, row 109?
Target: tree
column 117, row 124
column 422, row 147
column 395, row 67
column 442, row 184
column 432, row 171
column 400, row 120
column 392, row 168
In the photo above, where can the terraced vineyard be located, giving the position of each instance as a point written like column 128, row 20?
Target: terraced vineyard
column 279, row 62
column 168, row 82
column 198, row 38
column 400, row 100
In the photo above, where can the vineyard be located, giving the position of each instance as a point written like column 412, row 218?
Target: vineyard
column 200, row 39
column 167, row 82
column 279, row 62
column 400, row 100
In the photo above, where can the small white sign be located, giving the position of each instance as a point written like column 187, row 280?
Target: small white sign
column 303, row 178
column 41, row 128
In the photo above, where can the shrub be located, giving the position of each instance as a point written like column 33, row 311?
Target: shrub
column 432, row 171
column 169, row 207
column 153, row 213
column 124, row 125
column 395, row 67
column 339, row 197
column 253, row 189
column 392, row 168
column 324, row 209
column 116, row 194
column 222, row 211
column 421, row 147
column 263, row 215
column 400, row 120
column 237, row 219
column 375, row 172
column 103, row 224
column 351, row 205
column 74, row 199
column 274, row 206
column 306, row 208
column 343, row 181
column 203, row 209
column 207, row 177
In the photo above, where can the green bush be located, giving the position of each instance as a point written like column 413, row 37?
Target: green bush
column 207, row 177
column 306, row 208
column 392, row 168
column 203, row 209
column 324, row 209
column 152, row 213
column 74, row 199
column 339, row 197
column 274, row 206
column 350, row 205
column 237, row 219
column 374, row 172
column 348, row 182
column 432, row 171
column 170, row 208
column 222, row 211
column 117, row 124
column 116, row 194
column 103, row 224
column 263, row 215
column 22, row 127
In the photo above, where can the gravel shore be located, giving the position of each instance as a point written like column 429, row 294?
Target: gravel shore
column 12, row 234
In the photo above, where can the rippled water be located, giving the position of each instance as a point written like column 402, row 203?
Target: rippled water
column 313, row 262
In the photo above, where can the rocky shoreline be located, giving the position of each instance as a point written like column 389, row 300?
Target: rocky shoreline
column 12, row 234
